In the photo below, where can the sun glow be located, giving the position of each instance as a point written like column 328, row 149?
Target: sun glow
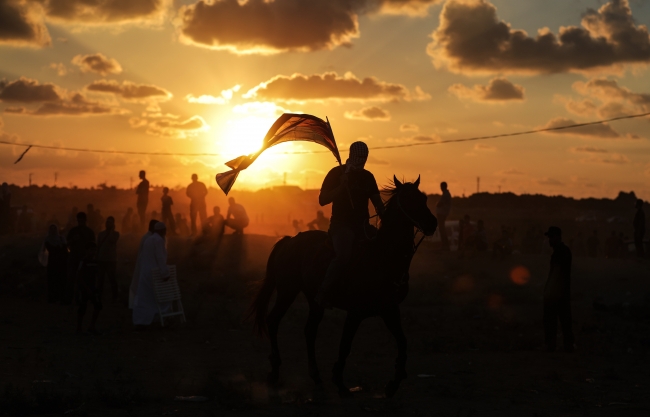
column 243, row 136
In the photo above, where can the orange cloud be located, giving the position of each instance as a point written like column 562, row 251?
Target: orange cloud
column 97, row 63
column 331, row 86
column 368, row 114
column 498, row 90
column 103, row 11
column 130, row 91
column 603, row 131
column 169, row 126
column 261, row 26
column 607, row 99
column 21, row 24
column 472, row 39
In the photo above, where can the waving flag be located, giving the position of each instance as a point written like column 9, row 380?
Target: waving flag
column 288, row 128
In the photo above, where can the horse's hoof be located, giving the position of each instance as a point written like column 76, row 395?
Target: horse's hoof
column 391, row 389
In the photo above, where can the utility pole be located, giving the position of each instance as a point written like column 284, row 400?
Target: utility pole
column 478, row 185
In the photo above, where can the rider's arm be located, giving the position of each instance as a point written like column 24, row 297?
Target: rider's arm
column 378, row 203
column 329, row 192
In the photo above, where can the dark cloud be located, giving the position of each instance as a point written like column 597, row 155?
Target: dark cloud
column 471, row 38
column 22, row 25
column 368, row 114
column 606, row 98
column 498, row 90
column 103, row 11
column 262, row 26
column 76, row 105
column 170, row 125
column 130, row 91
column 603, row 130
column 25, row 90
column 330, row 85
column 97, row 63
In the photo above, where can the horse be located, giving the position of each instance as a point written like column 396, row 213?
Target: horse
column 375, row 284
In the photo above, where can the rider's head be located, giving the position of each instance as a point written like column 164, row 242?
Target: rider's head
column 194, row 177
column 358, row 155
column 443, row 186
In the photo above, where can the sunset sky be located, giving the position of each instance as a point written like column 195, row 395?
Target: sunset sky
column 212, row 76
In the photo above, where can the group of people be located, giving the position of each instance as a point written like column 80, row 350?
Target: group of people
column 236, row 217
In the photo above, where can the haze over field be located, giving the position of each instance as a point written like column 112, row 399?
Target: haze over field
column 211, row 77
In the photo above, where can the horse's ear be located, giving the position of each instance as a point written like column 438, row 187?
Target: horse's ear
column 396, row 181
column 417, row 182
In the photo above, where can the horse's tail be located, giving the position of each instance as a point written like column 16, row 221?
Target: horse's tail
column 259, row 307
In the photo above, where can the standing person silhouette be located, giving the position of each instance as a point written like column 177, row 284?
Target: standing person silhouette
column 443, row 208
column 557, row 293
column 107, row 257
column 167, row 216
column 348, row 188
column 79, row 237
column 197, row 191
column 143, row 198
column 639, row 229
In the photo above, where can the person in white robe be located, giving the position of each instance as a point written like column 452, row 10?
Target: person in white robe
column 154, row 256
column 136, row 273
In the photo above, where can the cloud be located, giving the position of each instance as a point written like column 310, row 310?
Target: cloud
column 408, row 127
column 376, row 161
column 75, row 105
column 21, row 24
column 223, row 98
column 368, row 114
column 261, row 108
column 498, row 90
column 550, row 182
column 472, row 39
column 331, row 86
column 103, row 11
column 589, row 149
column 60, row 68
column 130, row 91
column 606, row 98
column 611, row 159
column 511, row 171
column 603, row 130
column 25, row 90
column 266, row 27
column 167, row 126
column 97, row 63
column 415, row 139
column 481, row 147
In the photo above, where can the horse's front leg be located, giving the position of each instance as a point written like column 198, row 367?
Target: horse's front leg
column 350, row 328
column 393, row 320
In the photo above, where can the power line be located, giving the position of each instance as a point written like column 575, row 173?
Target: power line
column 403, row 145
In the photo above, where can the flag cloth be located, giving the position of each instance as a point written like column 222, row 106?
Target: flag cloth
column 288, row 128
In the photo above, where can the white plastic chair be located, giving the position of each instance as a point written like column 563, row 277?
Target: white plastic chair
column 167, row 292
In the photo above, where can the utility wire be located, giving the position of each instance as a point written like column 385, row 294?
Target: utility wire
column 403, row 145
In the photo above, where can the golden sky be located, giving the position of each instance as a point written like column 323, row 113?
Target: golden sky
column 211, row 77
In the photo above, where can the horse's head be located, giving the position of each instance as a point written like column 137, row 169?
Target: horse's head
column 408, row 202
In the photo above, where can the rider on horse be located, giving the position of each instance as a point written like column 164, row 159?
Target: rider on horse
column 348, row 187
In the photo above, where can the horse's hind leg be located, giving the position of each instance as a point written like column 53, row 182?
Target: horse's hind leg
column 315, row 317
column 393, row 321
column 282, row 304
column 352, row 322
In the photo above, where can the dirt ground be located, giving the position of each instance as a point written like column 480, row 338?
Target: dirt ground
column 473, row 325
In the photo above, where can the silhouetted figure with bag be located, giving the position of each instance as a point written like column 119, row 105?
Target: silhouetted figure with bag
column 639, row 229
column 557, row 293
column 443, row 208
column 142, row 192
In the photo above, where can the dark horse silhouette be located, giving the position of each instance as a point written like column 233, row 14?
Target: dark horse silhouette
column 375, row 284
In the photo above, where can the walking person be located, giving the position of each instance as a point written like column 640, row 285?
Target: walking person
column 197, row 191
column 443, row 208
column 107, row 257
column 88, row 291
column 557, row 293
column 639, row 229
column 57, row 257
column 142, row 192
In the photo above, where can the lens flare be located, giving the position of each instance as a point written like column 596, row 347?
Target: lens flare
column 520, row 275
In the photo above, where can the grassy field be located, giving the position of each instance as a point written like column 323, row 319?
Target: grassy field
column 473, row 325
